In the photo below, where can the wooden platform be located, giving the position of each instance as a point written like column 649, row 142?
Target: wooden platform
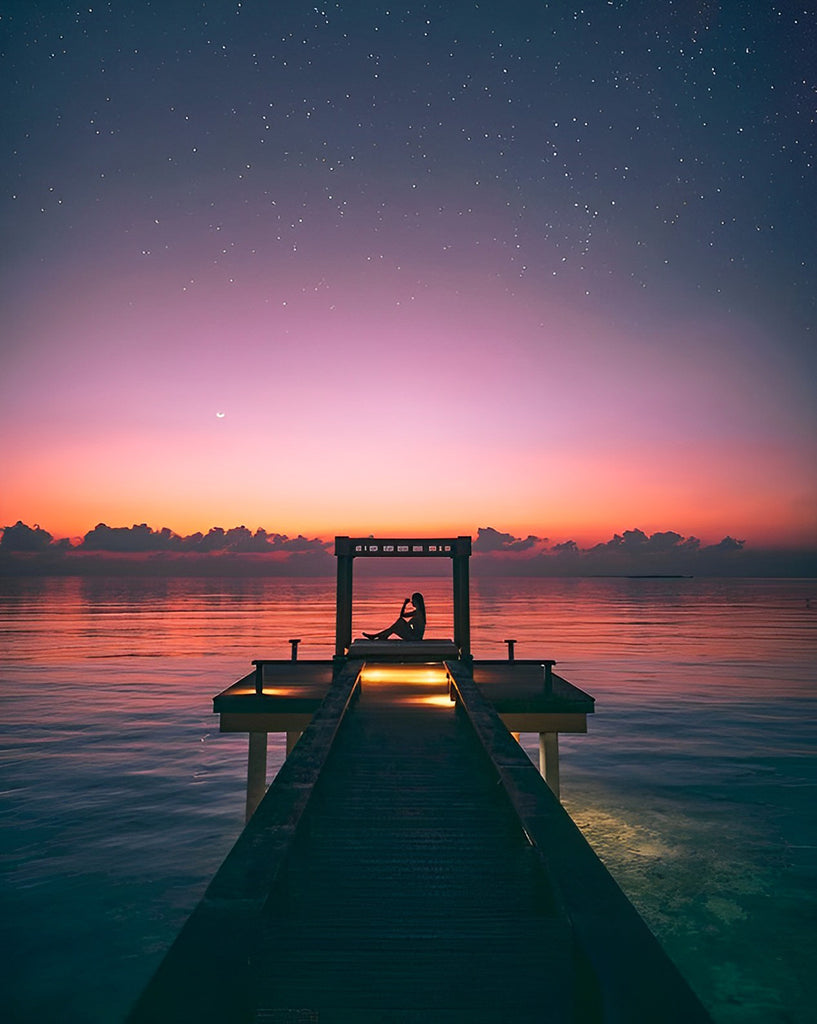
column 409, row 864
column 404, row 651
column 282, row 695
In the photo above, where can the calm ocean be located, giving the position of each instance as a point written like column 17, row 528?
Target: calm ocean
column 695, row 782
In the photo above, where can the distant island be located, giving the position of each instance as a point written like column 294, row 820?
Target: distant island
column 659, row 576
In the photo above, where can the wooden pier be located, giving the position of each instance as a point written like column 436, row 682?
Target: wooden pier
column 409, row 862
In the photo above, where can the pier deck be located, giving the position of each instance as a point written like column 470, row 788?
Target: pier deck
column 414, row 895
column 409, row 864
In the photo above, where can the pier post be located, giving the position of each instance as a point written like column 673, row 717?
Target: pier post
column 292, row 739
column 343, row 611
column 462, row 605
column 549, row 760
column 256, row 772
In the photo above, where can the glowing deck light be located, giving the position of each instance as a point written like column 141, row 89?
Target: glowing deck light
column 423, row 675
column 437, row 700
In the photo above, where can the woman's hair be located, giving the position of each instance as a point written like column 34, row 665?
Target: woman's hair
column 418, row 601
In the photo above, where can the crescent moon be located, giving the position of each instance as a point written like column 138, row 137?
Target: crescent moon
column 220, row 415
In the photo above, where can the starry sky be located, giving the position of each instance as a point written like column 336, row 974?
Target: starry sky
column 419, row 267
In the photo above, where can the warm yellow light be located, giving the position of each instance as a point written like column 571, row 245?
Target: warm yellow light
column 277, row 691
column 439, row 700
column 283, row 691
column 419, row 675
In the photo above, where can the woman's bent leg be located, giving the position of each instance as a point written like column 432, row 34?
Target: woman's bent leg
column 401, row 628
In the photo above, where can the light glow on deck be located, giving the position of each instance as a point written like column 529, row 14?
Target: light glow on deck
column 416, row 675
column 273, row 691
column 407, row 684
column 283, row 691
column 437, row 700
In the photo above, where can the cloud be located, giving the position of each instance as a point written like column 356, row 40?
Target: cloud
column 631, row 553
column 238, row 540
column 488, row 540
column 239, row 551
column 638, row 541
column 24, row 538
column 568, row 547
column 128, row 539
column 728, row 544
column 139, row 549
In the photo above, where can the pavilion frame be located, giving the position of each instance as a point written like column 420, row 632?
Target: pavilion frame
column 458, row 549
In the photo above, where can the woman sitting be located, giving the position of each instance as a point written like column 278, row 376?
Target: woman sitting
column 410, row 624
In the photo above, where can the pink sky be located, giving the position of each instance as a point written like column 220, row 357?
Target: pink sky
column 378, row 397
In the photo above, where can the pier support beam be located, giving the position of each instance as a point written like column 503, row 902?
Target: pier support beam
column 292, row 739
column 343, row 611
column 549, row 760
column 256, row 772
column 462, row 599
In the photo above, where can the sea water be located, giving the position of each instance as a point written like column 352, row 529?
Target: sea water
column 119, row 798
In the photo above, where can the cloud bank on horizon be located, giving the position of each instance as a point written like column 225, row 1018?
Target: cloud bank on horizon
column 140, row 549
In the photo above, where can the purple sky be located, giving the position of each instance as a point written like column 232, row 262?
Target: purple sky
column 437, row 265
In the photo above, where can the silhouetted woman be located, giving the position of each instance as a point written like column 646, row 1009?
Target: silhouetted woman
column 411, row 623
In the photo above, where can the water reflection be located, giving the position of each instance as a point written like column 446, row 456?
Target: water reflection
column 696, row 782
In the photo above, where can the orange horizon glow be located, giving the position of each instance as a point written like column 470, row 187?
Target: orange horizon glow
column 586, row 499
column 595, row 503
column 582, row 530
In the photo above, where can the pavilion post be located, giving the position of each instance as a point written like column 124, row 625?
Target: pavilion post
column 343, row 621
column 462, row 600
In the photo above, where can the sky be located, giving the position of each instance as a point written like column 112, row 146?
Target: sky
column 410, row 268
